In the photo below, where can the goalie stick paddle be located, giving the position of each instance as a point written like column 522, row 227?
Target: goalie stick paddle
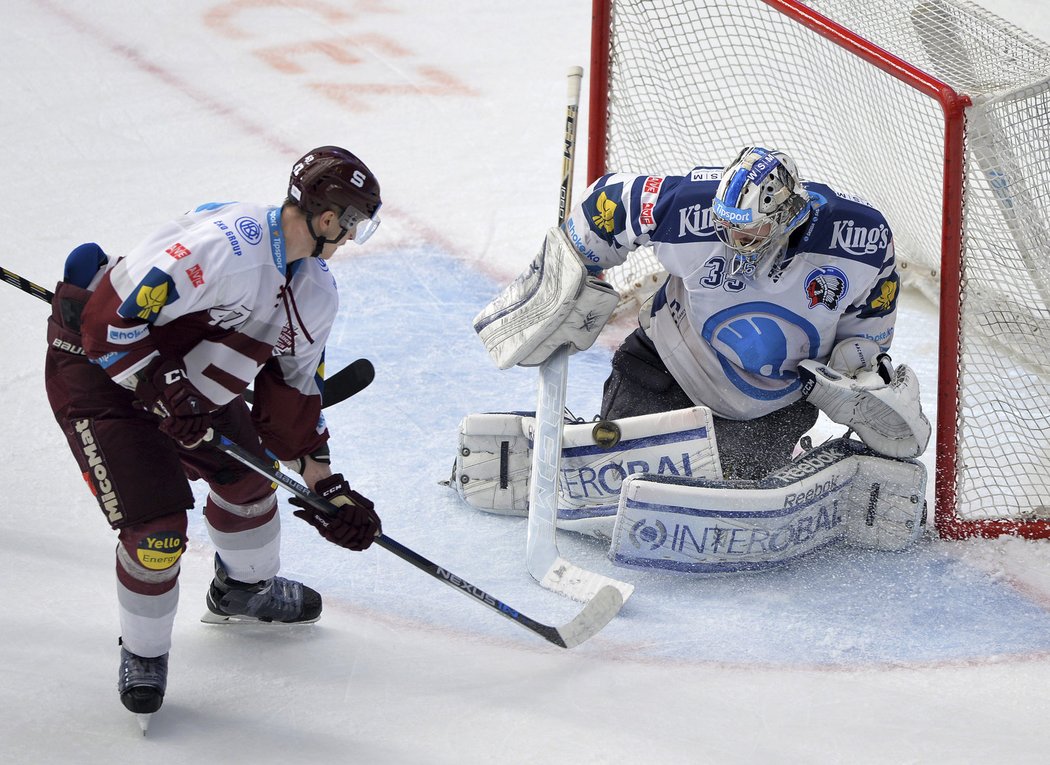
column 594, row 616
column 542, row 557
column 347, row 382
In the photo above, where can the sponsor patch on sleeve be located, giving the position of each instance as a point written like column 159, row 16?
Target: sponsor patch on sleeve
column 149, row 297
column 883, row 298
column 605, row 212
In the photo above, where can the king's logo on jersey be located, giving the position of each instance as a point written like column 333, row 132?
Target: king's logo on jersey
column 149, row 297
column 826, row 286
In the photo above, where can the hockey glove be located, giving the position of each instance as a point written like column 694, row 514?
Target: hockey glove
column 166, row 391
column 355, row 526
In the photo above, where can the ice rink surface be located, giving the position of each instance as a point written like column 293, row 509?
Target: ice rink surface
column 122, row 115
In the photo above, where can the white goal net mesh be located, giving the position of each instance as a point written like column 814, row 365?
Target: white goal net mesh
column 691, row 83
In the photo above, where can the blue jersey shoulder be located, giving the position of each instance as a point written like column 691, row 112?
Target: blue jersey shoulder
column 845, row 227
column 683, row 209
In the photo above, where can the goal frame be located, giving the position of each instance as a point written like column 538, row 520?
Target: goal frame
column 953, row 105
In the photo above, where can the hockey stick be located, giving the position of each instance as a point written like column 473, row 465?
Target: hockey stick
column 347, row 382
column 542, row 557
column 25, row 285
column 595, row 615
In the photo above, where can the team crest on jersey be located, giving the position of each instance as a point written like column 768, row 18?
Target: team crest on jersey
column 883, row 299
column 826, row 286
column 250, row 229
column 152, row 294
column 604, row 212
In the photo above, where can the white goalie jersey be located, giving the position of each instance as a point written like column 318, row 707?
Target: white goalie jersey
column 734, row 343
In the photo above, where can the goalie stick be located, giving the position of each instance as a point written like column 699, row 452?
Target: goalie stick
column 542, row 557
column 347, row 382
column 599, row 610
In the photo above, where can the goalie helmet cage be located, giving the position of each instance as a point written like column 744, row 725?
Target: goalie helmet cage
column 939, row 113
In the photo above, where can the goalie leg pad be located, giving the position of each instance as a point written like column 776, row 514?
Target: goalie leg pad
column 699, row 526
column 495, row 458
column 555, row 302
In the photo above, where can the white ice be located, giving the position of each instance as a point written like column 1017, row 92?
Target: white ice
column 118, row 114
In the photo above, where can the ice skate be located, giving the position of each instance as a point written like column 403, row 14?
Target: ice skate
column 141, row 683
column 273, row 600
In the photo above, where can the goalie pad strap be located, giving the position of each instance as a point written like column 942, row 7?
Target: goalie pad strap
column 554, row 302
column 838, row 491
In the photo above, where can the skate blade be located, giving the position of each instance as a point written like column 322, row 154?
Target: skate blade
column 143, row 720
column 211, row 618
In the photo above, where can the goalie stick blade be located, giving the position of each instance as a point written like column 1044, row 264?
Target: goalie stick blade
column 598, row 612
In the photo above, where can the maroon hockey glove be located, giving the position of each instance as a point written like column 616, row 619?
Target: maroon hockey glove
column 356, row 525
column 166, row 391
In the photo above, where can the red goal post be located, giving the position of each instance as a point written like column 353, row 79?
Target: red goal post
column 935, row 110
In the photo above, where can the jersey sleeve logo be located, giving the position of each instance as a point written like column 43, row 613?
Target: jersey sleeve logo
column 826, row 286
column 883, row 298
column 149, row 297
column 606, row 215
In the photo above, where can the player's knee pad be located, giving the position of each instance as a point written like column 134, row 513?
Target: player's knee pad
column 232, row 517
column 148, row 553
column 495, row 459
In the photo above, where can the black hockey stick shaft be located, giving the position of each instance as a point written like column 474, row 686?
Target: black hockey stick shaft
column 25, row 285
column 261, row 466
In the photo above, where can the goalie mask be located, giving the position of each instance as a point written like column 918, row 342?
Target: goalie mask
column 759, row 202
column 331, row 178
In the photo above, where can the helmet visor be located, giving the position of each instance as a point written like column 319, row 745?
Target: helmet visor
column 359, row 225
column 745, row 238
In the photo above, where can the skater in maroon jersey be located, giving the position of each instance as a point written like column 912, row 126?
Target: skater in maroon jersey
column 149, row 351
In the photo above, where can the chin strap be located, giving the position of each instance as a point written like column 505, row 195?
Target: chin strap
column 320, row 241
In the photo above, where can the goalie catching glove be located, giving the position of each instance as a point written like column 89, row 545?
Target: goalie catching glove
column 860, row 389
column 554, row 303
column 356, row 525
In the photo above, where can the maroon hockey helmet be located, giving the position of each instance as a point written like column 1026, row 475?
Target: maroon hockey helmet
column 331, row 178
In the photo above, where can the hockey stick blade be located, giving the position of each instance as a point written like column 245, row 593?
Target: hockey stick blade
column 347, row 382
column 594, row 616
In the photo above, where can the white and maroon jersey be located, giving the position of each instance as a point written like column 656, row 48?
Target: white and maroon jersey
column 214, row 289
column 734, row 343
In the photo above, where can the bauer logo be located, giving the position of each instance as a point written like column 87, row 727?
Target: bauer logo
column 126, row 335
column 159, row 550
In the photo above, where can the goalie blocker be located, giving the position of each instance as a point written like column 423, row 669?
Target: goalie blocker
column 839, row 491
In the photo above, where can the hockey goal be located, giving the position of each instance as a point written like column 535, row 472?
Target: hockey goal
column 935, row 110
